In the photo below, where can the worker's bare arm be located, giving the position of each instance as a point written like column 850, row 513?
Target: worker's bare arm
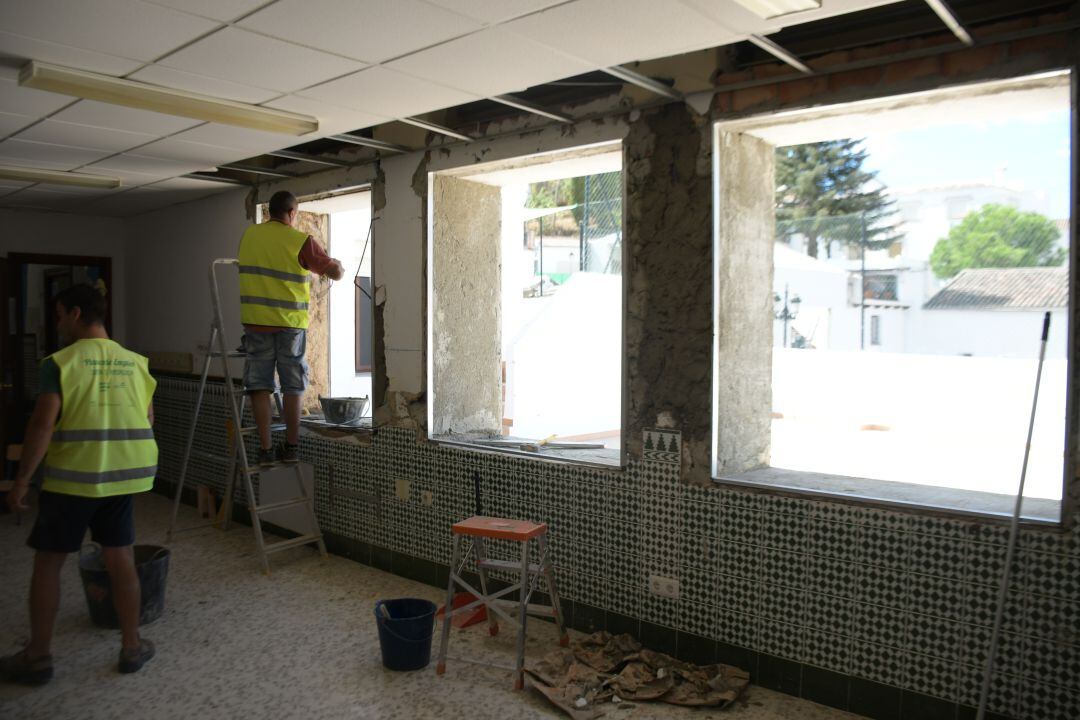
column 35, row 443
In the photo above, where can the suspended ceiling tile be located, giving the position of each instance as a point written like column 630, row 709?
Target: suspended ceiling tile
column 250, row 59
column 127, row 28
column 83, row 136
column 10, row 123
column 191, row 185
column 215, row 87
column 120, row 168
column 368, row 30
column 104, row 115
column 21, row 49
column 382, row 91
column 47, row 155
column 333, row 119
column 206, row 156
column 157, row 168
column 490, row 62
column 229, row 136
column 26, row 101
column 612, row 32
column 495, row 11
column 225, row 10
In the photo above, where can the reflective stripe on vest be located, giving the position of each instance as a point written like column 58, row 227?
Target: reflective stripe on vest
column 274, row 286
column 103, row 444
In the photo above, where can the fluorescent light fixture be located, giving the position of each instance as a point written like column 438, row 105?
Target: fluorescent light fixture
column 57, row 177
column 143, row 96
column 767, row 9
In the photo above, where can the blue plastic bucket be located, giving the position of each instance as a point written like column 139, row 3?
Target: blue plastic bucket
column 405, row 636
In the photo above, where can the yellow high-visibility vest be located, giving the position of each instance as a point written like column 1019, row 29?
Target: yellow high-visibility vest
column 274, row 286
column 103, row 444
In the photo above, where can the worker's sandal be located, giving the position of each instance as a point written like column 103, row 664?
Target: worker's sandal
column 132, row 660
column 21, row 668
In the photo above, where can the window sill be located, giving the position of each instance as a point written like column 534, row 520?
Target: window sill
column 896, row 495
column 605, row 459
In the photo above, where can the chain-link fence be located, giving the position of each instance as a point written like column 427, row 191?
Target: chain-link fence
column 574, row 225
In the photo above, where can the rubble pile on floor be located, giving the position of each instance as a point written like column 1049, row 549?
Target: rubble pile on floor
column 603, row 672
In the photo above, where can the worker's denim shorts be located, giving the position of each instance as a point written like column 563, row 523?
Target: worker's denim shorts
column 283, row 349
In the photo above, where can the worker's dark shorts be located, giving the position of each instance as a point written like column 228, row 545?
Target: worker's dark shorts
column 62, row 521
column 284, row 350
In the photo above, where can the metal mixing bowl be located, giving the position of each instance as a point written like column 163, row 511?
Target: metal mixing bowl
column 343, row 410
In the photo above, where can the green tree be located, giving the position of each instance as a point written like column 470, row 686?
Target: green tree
column 824, row 193
column 998, row 236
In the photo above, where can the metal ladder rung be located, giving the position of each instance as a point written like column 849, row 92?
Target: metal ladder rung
column 252, row 428
column 279, row 505
column 230, row 354
column 293, row 542
column 508, row 565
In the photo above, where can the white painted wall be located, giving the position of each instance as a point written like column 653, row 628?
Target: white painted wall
column 169, row 253
column 988, row 333
column 26, row 231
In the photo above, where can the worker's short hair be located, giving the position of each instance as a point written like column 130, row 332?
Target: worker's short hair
column 281, row 203
column 91, row 303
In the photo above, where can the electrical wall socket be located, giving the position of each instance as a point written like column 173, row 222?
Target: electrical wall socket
column 666, row 587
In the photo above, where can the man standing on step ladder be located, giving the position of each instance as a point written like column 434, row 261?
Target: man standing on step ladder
column 275, row 259
column 93, row 418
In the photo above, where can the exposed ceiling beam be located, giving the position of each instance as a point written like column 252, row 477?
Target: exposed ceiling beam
column 255, row 169
column 440, row 129
column 527, row 106
column 949, row 18
column 643, row 81
column 369, row 142
column 779, row 53
column 214, row 178
column 305, row 157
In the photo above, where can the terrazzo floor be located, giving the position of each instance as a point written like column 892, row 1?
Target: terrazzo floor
column 301, row 643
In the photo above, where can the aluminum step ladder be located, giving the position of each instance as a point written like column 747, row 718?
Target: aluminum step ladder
column 237, row 458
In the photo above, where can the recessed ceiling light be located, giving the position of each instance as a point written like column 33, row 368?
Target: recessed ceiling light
column 57, row 177
column 145, row 96
column 767, row 9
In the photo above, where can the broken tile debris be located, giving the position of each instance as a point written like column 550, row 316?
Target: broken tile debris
column 602, row 671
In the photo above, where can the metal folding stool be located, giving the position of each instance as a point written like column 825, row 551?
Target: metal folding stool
column 478, row 529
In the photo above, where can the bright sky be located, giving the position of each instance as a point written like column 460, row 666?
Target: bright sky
column 1032, row 150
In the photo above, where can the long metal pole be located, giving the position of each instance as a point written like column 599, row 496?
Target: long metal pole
column 784, row 313
column 1014, row 529
column 862, row 289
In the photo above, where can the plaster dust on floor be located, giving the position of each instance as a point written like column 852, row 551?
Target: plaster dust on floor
column 301, row 643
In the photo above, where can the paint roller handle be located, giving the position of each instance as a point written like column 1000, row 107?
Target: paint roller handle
column 1046, row 326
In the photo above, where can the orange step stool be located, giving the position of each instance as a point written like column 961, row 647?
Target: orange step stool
column 477, row 530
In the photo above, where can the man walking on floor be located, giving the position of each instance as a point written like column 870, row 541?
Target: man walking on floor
column 275, row 259
column 92, row 424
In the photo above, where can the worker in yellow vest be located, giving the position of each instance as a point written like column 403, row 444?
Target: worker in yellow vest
column 275, row 260
column 92, row 424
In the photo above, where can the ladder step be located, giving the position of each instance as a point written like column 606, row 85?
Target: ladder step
column 279, row 505
column 294, row 542
column 230, row 354
column 252, row 428
column 508, row 565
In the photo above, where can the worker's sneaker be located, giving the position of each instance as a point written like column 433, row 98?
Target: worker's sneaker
column 21, row 668
column 266, row 457
column 133, row 659
column 291, row 453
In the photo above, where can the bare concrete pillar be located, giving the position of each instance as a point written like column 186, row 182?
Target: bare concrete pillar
column 466, row 301
column 745, row 306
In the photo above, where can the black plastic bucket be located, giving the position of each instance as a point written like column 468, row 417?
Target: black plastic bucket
column 152, row 566
column 405, row 636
